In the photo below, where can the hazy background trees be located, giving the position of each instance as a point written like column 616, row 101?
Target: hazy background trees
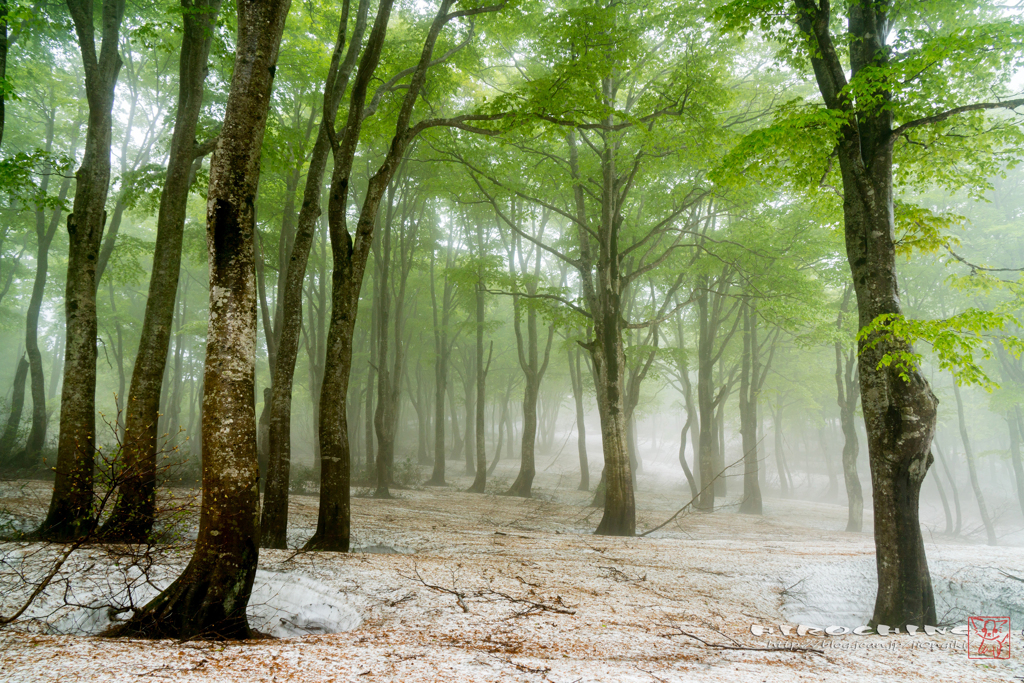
column 484, row 232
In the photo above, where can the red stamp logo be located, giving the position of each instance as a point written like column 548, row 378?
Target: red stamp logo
column 988, row 637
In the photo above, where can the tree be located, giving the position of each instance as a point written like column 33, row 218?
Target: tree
column 533, row 365
column 351, row 252
column 895, row 55
column 611, row 153
column 70, row 514
column 209, row 598
column 847, row 393
column 275, row 505
column 132, row 517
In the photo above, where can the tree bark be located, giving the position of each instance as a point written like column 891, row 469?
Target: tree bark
column 480, row 480
column 442, row 350
column 389, row 375
column 1013, row 423
column 133, row 515
column 749, row 376
column 530, row 362
column 209, row 599
column 70, row 514
column 953, row 486
column 45, row 232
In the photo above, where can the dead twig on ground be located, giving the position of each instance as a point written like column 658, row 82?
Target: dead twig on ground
column 528, row 669
column 459, row 596
column 527, row 606
column 532, row 606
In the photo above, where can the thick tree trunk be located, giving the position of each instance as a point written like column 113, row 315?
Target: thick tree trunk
column 619, row 517
column 274, row 521
column 209, row 599
column 972, row 468
column 899, row 413
column 133, row 514
column 70, row 514
column 898, row 405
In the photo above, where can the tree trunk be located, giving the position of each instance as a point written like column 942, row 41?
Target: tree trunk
column 274, row 521
column 70, row 514
column 480, row 481
column 1015, row 460
column 10, row 434
column 945, row 504
column 351, row 252
column 898, row 405
column 209, row 599
column 469, row 385
column 619, row 517
column 972, row 469
column 133, row 514
column 953, row 486
column 581, row 431
column 45, row 233
column 694, row 490
column 442, row 348
column 706, row 406
column 780, row 458
column 751, row 503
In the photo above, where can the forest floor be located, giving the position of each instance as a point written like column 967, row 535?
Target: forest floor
column 458, row 587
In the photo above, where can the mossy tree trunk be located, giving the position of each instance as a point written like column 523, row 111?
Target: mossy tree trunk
column 209, row 599
column 70, row 514
column 132, row 517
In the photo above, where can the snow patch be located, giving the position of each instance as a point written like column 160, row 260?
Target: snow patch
column 287, row 605
column 283, row 605
column 843, row 593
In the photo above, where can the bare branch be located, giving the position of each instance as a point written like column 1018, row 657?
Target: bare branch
column 942, row 116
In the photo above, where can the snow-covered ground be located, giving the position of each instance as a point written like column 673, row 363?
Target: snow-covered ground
column 489, row 588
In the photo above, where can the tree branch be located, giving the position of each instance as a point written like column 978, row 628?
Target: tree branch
column 942, row 116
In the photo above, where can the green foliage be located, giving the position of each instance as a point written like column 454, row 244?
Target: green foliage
column 141, row 187
column 19, row 178
column 957, row 342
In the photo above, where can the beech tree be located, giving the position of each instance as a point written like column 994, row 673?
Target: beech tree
column 351, row 250
column 70, row 514
column 132, row 517
column 209, row 598
column 871, row 82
